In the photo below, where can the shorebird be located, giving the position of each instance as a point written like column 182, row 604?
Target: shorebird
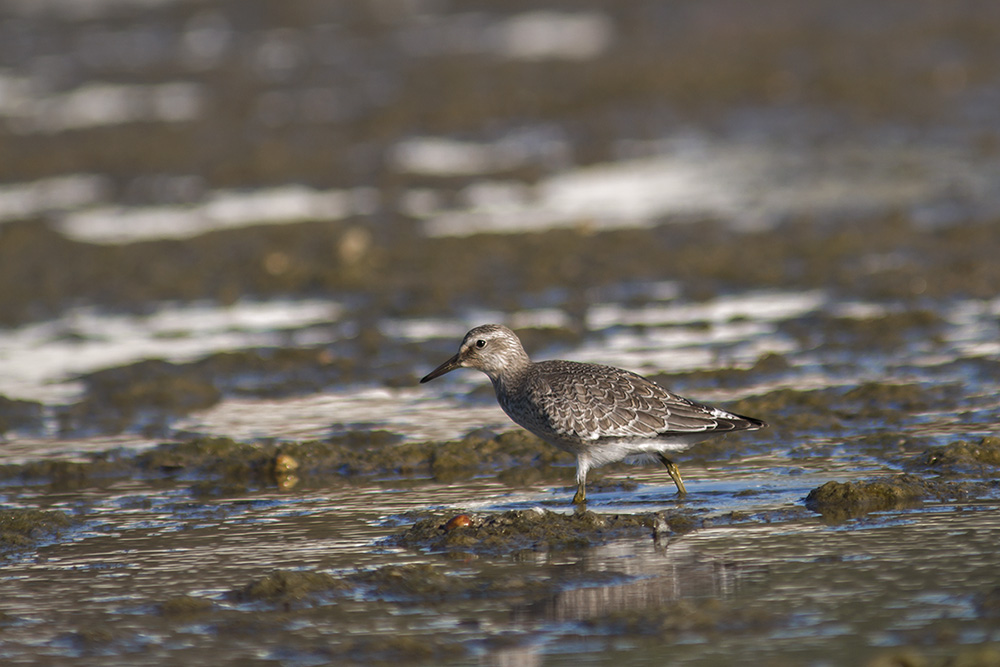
column 598, row 413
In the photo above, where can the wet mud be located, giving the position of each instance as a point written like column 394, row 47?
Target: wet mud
column 954, row 472
column 147, row 397
column 860, row 528
column 532, row 530
column 514, row 458
column 18, row 415
column 223, row 465
column 962, row 457
column 404, row 279
column 839, row 501
column 21, row 529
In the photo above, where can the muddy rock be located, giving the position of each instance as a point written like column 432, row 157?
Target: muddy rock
column 288, row 587
column 145, row 395
column 972, row 656
column 790, row 411
column 844, row 500
column 886, row 332
column 839, row 501
column 142, row 395
column 412, row 581
column 962, row 456
column 531, row 530
column 182, row 606
column 769, row 365
column 224, row 465
column 23, row 528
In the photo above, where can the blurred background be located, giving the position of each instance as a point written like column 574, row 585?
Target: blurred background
column 266, row 220
column 207, row 203
column 276, row 200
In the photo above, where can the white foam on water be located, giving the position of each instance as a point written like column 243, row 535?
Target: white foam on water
column 527, row 36
column 83, row 9
column 549, row 35
column 677, row 350
column 539, row 318
column 859, row 310
column 975, row 330
column 762, row 306
column 207, row 37
column 19, row 201
column 730, row 331
column 443, row 156
column 20, row 450
column 222, row 209
column 40, row 360
column 421, row 329
column 99, row 104
column 752, row 185
column 627, row 194
column 415, row 413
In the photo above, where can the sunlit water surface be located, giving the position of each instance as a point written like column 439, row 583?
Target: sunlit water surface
column 800, row 591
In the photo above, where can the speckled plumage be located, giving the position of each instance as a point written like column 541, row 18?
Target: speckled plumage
column 598, row 413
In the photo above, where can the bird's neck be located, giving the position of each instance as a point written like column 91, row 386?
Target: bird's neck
column 511, row 375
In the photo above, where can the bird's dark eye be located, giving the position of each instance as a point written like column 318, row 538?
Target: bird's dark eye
column 480, row 343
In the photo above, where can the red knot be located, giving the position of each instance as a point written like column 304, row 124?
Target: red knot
column 600, row 414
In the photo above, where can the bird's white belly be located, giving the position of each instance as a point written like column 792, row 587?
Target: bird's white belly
column 635, row 451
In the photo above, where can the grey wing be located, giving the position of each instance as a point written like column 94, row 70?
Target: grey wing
column 603, row 402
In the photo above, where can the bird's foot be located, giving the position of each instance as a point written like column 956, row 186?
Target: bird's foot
column 675, row 474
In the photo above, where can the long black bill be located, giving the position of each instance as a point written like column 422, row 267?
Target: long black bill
column 449, row 365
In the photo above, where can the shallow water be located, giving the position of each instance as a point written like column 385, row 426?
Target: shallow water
column 792, row 587
column 221, row 221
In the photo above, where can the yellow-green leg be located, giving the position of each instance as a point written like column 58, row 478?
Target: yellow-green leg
column 674, row 473
column 582, row 466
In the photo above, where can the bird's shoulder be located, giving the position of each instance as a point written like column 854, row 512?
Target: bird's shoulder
column 582, row 379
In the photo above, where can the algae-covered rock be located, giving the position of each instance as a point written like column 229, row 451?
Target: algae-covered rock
column 184, row 606
column 216, row 465
column 434, row 582
column 63, row 475
column 792, row 410
column 769, row 364
column 838, row 501
column 199, row 453
column 147, row 394
column 536, row 529
column 288, row 586
column 835, row 410
column 22, row 528
column 93, row 638
column 414, row 580
column 962, row 456
column 963, row 656
column 888, row 331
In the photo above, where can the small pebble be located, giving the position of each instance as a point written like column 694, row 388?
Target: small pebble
column 459, row 521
